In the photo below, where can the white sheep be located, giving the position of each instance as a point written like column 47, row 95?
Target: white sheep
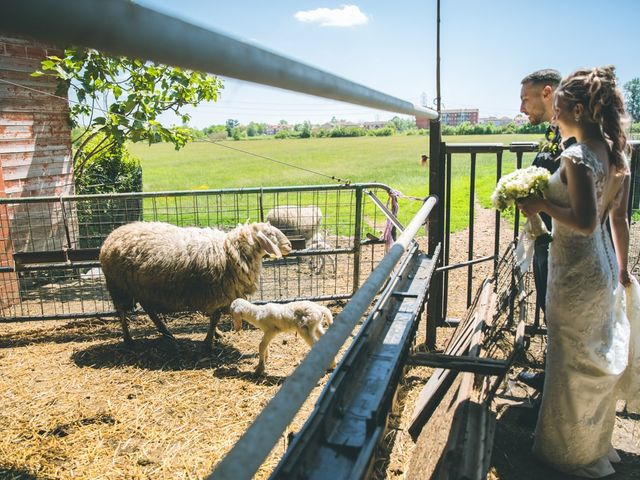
column 166, row 268
column 304, row 317
column 296, row 220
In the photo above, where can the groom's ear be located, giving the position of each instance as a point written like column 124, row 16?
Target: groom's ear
column 547, row 92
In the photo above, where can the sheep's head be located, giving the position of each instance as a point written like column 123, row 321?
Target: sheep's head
column 236, row 308
column 273, row 241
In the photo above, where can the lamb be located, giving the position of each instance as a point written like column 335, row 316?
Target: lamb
column 296, row 220
column 166, row 268
column 305, row 317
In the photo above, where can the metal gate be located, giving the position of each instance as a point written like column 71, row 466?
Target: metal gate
column 49, row 245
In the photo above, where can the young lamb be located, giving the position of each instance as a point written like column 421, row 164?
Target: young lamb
column 296, row 220
column 272, row 318
column 166, row 268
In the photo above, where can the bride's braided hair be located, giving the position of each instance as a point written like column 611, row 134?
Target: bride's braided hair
column 597, row 91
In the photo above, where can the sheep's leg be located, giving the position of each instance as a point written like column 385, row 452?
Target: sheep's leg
column 263, row 350
column 213, row 331
column 159, row 323
column 126, row 335
column 313, row 337
column 307, row 337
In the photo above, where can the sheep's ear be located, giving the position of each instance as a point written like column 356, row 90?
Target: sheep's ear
column 268, row 246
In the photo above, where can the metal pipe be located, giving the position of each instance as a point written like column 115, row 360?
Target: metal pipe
column 357, row 241
column 252, row 448
column 194, row 193
column 120, row 27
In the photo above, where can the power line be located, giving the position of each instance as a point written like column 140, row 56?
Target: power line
column 332, row 177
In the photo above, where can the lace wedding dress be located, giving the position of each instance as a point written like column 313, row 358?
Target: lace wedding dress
column 588, row 335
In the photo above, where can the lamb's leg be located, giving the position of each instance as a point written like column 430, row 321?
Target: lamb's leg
column 126, row 335
column 312, row 337
column 159, row 323
column 263, row 350
column 213, row 331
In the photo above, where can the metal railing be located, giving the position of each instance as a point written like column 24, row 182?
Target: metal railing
column 49, row 245
column 252, row 448
column 121, row 27
column 441, row 185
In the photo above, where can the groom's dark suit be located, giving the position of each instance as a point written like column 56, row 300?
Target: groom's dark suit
column 546, row 158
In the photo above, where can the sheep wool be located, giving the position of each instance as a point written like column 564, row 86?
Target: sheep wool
column 296, row 220
column 166, row 268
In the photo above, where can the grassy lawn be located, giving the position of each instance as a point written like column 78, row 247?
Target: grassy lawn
column 394, row 161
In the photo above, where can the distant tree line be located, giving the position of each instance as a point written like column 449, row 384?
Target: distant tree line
column 341, row 128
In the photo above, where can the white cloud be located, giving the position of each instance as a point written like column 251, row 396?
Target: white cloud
column 347, row 16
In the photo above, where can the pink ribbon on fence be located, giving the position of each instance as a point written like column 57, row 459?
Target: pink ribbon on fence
column 390, row 228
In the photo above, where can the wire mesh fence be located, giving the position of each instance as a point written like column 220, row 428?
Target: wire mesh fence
column 49, row 246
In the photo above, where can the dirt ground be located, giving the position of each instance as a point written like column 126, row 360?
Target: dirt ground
column 75, row 403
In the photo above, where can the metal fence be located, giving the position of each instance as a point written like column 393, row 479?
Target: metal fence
column 49, row 246
column 469, row 162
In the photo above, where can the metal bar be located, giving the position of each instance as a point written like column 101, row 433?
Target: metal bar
column 465, row 264
column 460, row 363
column 356, row 240
column 383, row 208
column 472, row 200
column 436, row 222
column 516, row 222
column 447, row 233
column 193, row 193
column 121, row 27
column 475, row 147
column 496, row 248
column 338, row 439
column 252, row 448
column 633, row 164
column 113, row 313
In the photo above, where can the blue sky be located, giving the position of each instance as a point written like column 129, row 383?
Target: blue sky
column 487, row 46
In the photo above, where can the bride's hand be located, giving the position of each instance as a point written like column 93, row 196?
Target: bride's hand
column 530, row 205
column 625, row 278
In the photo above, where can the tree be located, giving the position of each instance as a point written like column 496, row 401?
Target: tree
column 231, row 124
column 632, row 98
column 305, row 131
column 122, row 99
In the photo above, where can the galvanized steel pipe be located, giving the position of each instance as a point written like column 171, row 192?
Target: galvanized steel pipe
column 121, row 27
column 252, row 448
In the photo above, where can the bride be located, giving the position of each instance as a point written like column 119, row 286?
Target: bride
column 587, row 341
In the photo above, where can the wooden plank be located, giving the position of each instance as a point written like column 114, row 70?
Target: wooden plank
column 467, row 333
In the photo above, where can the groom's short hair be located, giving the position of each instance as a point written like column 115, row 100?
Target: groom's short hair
column 547, row 76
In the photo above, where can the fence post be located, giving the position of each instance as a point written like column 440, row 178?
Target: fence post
column 357, row 237
column 436, row 230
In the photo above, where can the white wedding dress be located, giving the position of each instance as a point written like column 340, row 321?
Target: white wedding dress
column 588, row 339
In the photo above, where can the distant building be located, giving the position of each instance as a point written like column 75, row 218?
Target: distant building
column 456, row 117
column 520, row 119
column 374, row 125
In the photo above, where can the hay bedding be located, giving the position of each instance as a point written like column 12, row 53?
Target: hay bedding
column 76, row 403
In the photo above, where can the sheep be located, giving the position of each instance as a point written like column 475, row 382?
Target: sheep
column 317, row 262
column 304, row 316
column 296, row 220
column 166, row 268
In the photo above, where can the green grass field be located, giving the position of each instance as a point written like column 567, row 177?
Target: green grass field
column 394, row 161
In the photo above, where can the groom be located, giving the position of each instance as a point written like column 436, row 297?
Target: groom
column 536, row 97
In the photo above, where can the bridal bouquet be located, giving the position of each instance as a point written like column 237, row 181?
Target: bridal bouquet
column 522, row 183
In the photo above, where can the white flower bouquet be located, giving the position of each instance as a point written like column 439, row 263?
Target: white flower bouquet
column 522, row 183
